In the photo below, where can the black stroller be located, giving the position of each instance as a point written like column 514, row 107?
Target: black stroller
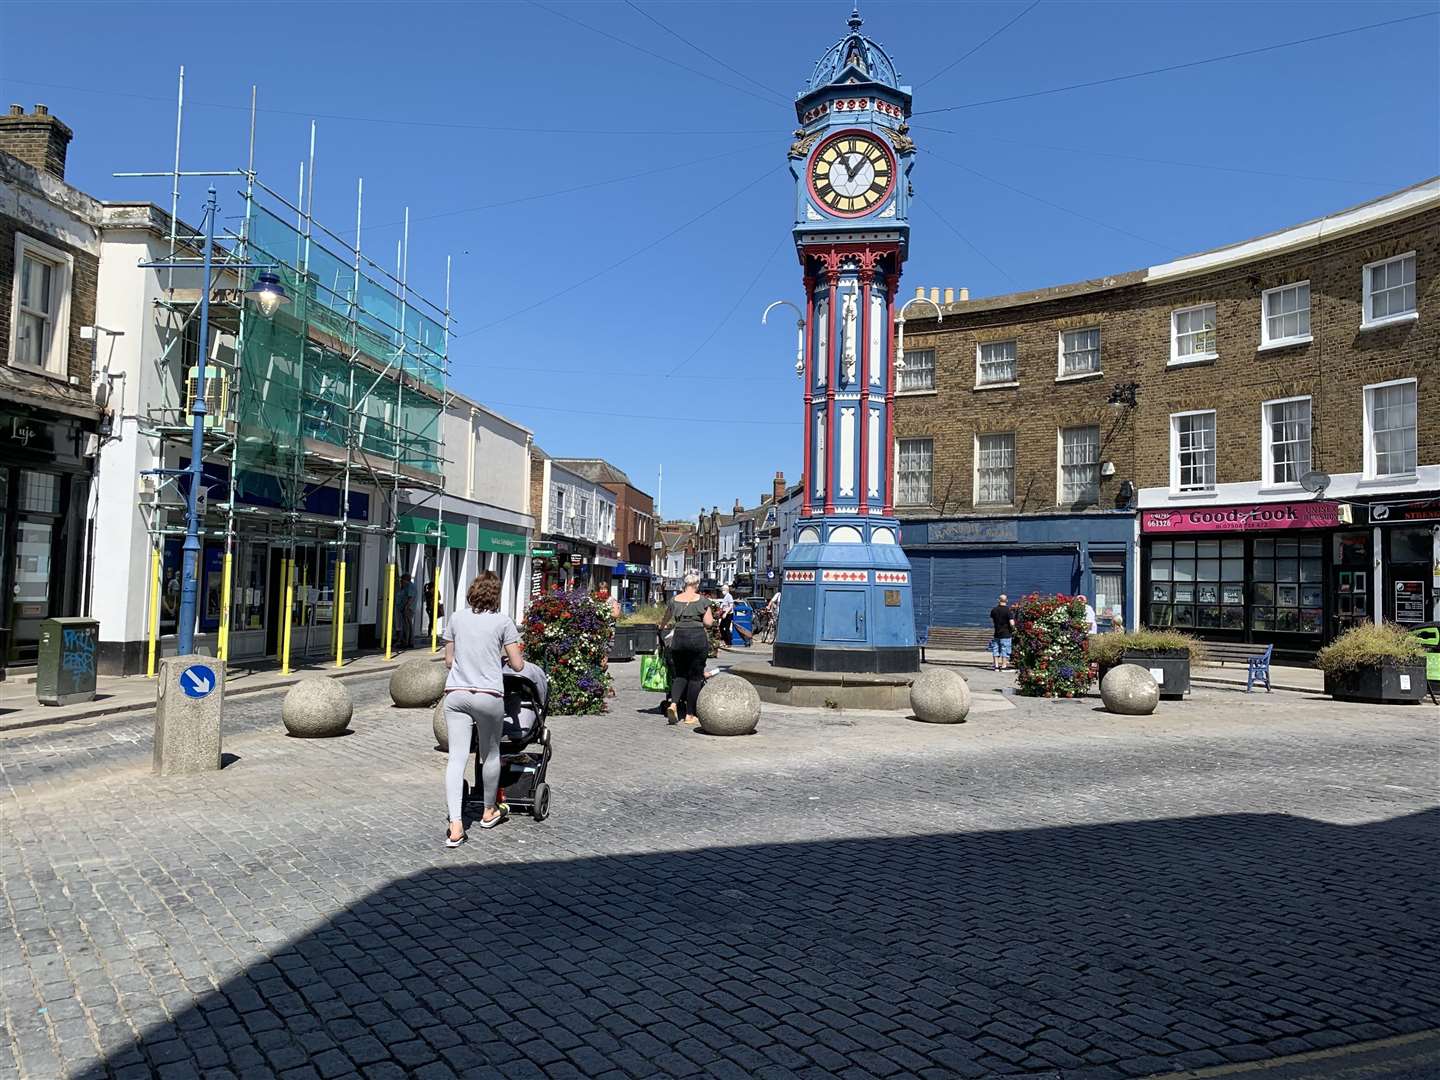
column 524, row 745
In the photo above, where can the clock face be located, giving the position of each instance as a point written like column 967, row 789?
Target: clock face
column 850, row 173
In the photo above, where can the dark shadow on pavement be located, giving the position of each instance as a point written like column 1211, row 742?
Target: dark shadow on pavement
column 1096, row 951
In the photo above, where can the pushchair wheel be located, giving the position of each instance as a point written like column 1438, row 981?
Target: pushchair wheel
column 541, row 808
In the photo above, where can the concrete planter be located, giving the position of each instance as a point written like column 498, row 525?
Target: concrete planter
column 622, row 645
column 646, row 636
column 1172, row 665
column 1379, row 684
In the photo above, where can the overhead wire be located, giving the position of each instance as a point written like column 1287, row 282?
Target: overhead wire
column 966, row 56
column 650, row 52
column 628, row 258
column 1145, row 160
column 967, row 241
column 511, row 129
column 707, row 54
column 1179, row 67
column 612, row 415
column 574, row 189
column 730, row 314
column 1046, row 202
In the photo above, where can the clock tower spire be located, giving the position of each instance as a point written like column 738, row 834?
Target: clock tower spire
column 847, row 603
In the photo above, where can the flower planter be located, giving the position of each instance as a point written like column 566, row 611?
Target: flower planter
column 1171, row 668
column 622, row 645
column 646, row 635
column 1397, row 684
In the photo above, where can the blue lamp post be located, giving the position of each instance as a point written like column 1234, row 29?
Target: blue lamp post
column 268, row 294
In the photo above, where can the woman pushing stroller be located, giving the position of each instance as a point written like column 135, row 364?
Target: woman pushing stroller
column 476, row 636
column 689, row 613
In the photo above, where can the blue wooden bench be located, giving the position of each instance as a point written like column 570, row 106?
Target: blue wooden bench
column 1255, row 656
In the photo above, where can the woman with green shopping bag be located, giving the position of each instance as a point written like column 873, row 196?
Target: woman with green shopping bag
column 689, row 613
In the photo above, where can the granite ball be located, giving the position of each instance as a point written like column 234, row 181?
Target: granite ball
column 416, row 684
column 1129, row 690
column 442, row 729
column 728, row 705
column 317, row 708
column 940, row 696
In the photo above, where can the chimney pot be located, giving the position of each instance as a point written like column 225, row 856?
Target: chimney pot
column 935, row 296
column 42, row 110
column 964, row 295
column 40, row 140
column 17, row 110
column 949, row 296
column 919, row 292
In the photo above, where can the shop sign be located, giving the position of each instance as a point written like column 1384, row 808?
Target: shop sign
column 1426, row 510
column 973, row 532
column 542, row 553
column 1258, row 517
column 25, row 431
column 505, row 542
column 1410, row 602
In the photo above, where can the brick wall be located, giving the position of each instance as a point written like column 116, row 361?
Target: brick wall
column 38, row 139
column 83, row 282
column 1134, row 319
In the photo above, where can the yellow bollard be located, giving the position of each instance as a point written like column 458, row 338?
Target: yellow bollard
column 435, row 614
column 154, row 611
column 289, row 610
column 339, row 614
column 222, row 652
column 389, row 611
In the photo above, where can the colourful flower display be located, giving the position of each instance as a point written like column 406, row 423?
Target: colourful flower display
column 568, row 635
column 1051, row 650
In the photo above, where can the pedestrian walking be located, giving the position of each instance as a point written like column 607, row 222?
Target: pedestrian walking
column 689, row 613
column 1092, row 624
column 727, row 615
column 405, row 612
column 475, row 639
column 1004, row 623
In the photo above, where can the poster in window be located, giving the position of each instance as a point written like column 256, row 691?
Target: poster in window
column 1234, row 594
column 1287, row 595
column 1409, row 602
column 1160, row 594
column 1209, row 594
column 1310, row 596
column 1184, row 594
column 1359, row 580
column 1344, row 581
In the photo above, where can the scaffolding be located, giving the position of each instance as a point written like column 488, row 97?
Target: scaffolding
column 334, row 397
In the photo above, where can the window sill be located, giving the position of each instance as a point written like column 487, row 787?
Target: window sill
column 994, row 506
column 917, row 393
column 1282, row 489
column 44, row 373
column 1080, row 376
column 1208, row 493
column 1391, row 320
column 1193, row 361
column 1288, row 343
column 1393, row 480
column 997, row 385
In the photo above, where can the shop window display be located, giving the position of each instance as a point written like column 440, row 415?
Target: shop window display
column 1198, row 584
column 1287, row 586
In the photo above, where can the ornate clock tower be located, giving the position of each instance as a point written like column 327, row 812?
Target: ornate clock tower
column 847, row 604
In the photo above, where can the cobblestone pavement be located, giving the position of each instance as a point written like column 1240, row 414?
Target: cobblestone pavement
column 1043, row 891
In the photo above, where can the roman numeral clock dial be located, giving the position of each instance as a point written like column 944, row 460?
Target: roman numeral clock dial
column 850, row 173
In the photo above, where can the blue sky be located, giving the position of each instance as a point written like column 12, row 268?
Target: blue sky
column 623, row 319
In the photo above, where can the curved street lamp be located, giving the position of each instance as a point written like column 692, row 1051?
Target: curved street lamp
column 799, row 332
column 900, row 326
column 268, row 292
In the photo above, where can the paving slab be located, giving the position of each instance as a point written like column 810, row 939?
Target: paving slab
column 838, row 894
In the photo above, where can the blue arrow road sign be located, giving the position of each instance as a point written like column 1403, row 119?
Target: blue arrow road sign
column 197, row 681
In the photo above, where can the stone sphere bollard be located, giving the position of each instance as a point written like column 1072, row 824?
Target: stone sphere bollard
column 1130, row 690
column 437, row 722
column 728, row 705
column 317, row 708
column 940, row 696
column 417, row 683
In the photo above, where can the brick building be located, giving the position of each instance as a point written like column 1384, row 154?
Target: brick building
column 634, row 570
column 49, row 423
column 1151, row 439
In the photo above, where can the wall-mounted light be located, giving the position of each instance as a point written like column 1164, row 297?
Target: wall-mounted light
column 1124, row 396
column 1107, row 468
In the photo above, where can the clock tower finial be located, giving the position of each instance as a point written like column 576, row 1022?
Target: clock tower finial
column 855, row 20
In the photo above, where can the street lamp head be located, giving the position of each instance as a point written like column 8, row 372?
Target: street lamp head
column 269, row 293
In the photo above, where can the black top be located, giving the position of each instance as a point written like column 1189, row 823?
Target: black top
column 691, row 613
column 1000, row 616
